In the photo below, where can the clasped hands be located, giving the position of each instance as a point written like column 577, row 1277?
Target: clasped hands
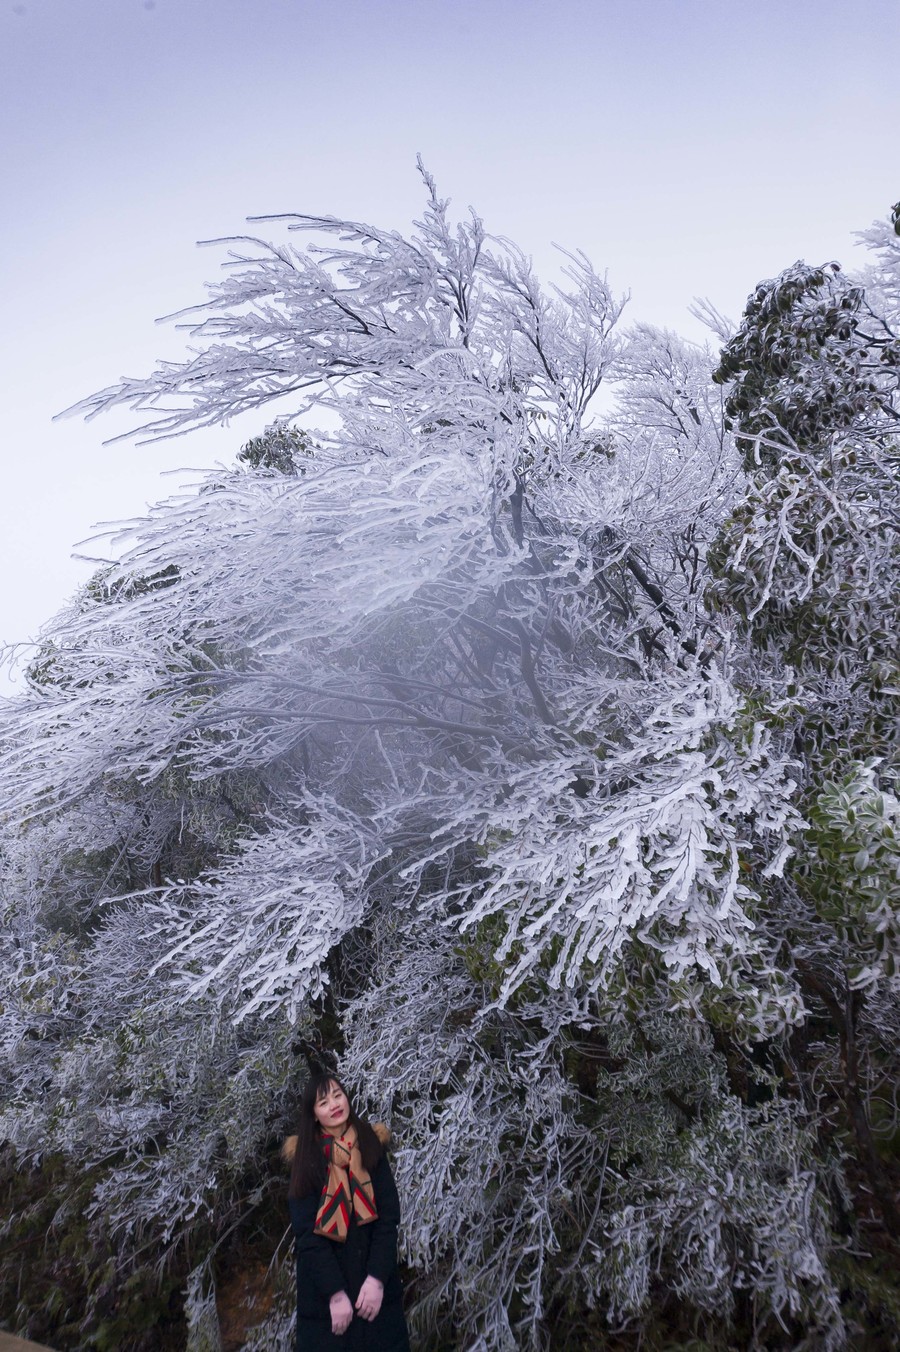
column 368, row 1303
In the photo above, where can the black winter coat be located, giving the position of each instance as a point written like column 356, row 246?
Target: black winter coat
column 325, row 1267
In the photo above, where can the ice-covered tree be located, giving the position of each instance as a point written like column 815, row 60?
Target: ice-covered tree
column 810, row 563
column 425, row 735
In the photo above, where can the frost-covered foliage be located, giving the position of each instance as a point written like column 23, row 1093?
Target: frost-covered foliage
column 203, row 1334
column 808, row 564
column 810, row 557
column 732, row 1214
column 855, row 874
column 461, row 736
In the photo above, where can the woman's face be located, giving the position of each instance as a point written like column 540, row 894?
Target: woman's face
column 332, row 1109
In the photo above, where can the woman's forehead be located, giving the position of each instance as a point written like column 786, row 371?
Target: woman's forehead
column 325, row 1089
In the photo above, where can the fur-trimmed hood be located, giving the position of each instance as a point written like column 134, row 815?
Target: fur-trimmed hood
column 289, row 1149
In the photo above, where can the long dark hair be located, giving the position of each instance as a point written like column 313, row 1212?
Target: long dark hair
column 308, row 1167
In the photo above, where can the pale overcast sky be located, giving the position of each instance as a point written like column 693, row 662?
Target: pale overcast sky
column 690, row 147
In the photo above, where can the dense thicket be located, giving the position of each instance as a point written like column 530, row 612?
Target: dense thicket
column 539, row 762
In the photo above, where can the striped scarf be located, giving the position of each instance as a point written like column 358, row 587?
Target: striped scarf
column 348, row 1188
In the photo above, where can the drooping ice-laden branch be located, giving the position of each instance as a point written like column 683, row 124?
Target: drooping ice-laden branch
column 262, row 928
column 370, row 312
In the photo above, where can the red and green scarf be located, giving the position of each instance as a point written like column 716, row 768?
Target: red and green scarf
column 348, row 1188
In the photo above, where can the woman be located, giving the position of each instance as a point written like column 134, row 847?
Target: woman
column 345, row 1212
